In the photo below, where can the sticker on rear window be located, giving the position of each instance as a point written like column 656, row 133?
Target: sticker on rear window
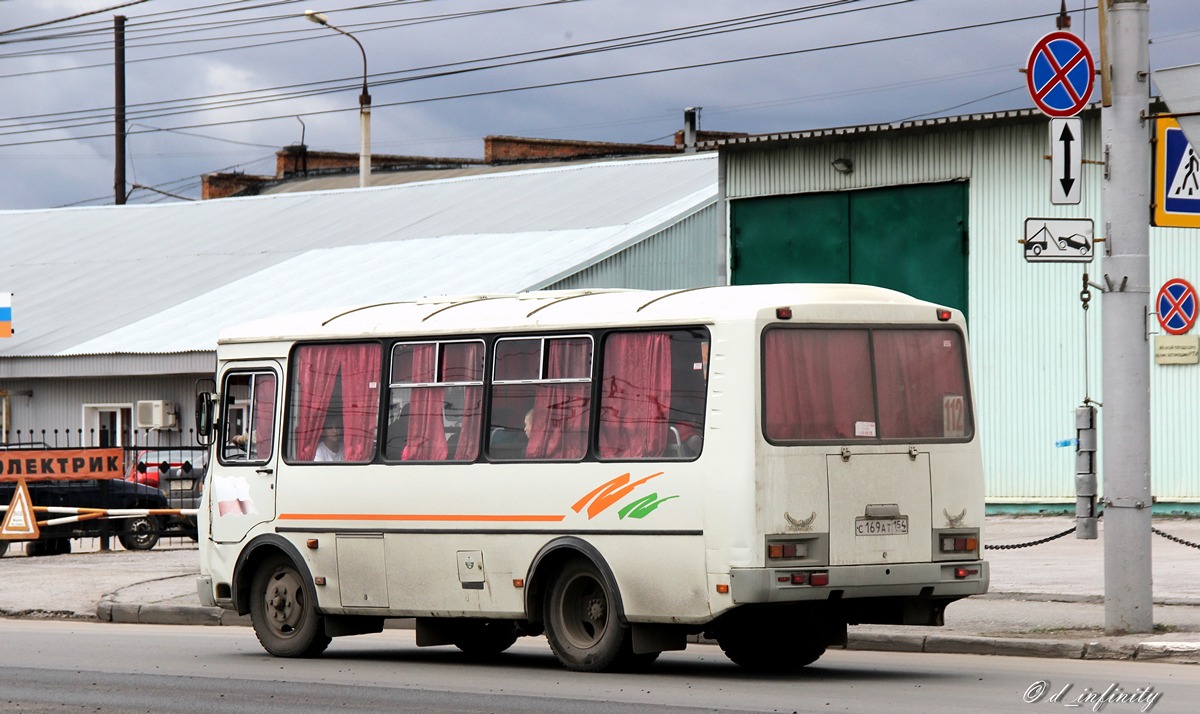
column 864, row 428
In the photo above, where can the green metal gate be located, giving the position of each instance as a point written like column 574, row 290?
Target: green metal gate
column 907, row 238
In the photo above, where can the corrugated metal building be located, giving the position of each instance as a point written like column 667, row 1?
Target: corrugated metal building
column 1035, row 351
column 119, row 305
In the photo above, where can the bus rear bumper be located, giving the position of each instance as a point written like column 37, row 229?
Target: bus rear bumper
column 943, row 580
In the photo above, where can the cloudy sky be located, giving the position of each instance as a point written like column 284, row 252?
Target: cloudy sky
column 219, row 85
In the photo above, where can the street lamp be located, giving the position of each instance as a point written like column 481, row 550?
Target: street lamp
column 364, row 103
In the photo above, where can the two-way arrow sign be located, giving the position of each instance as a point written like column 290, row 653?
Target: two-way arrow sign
column 1066, row 160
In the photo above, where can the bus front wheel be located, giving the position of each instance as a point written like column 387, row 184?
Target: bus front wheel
column 582, row 626
column 285, row 617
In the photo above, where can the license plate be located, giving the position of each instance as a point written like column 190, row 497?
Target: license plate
column 881, row 526
column 183, row 484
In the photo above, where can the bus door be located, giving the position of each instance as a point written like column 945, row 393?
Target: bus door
column 242, row 481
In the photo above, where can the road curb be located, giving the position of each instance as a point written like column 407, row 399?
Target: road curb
column 1175, row 652
column 159, row 614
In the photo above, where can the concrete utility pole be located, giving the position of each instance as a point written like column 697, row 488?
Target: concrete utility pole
column 1125, row 201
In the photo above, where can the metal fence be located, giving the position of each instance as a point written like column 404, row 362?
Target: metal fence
column 158, row 477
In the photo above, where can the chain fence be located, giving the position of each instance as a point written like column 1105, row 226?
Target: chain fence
column 1069, row 531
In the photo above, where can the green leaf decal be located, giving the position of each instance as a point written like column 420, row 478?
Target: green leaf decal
column 643, row 506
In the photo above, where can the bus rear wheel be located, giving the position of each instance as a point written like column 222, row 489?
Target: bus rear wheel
column 284, row 615
column 485, row 638
column 766, row 644
column 582, row 626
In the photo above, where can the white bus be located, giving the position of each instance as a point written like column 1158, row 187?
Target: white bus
column 618, row 470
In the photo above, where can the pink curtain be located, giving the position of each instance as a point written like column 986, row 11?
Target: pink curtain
column 817, row 384
column 318, row 368
column 361, row 370
column 316, row 372
column 635, row 395
column 426, row 427
column 264, row 415
column 464, row 363
column 916, row 369
column 560, row 411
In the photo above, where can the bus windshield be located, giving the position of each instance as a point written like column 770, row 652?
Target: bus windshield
column 868, row 384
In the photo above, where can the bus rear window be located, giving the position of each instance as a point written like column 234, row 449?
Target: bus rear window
column 864, row 385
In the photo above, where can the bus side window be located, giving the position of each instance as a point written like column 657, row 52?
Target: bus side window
column 248, row 418
column 652, row 395
column 334, row 384
column 541, row 396
column 436, row 398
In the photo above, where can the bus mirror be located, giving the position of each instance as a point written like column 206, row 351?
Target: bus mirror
column 204, row 413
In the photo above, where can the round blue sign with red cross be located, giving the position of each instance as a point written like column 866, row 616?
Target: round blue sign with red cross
column 1177, row 306
column 1060, row 74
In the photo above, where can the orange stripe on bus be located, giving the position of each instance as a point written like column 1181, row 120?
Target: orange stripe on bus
column 416, row 517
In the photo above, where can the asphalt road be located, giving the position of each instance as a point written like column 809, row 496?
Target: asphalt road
column 56, row 666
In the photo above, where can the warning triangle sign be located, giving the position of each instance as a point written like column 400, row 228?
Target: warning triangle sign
column 20, row 522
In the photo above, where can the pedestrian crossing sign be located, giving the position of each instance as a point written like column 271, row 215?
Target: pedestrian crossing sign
column 1176, row 178
column 20, row 523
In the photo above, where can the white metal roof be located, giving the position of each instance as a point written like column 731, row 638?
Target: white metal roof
column 167, row 278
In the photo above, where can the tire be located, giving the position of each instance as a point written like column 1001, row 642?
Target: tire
column 485, row 638
column 1037, row 250
column 629, row 661
column 139, row 533
column 3, row 548
column 582, row 625
column 765, row 644
column 284, row 612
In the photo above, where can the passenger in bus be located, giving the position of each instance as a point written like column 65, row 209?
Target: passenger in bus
column 330, row 447
column 397, row 433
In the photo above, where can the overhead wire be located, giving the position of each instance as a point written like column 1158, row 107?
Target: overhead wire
column 687, row 32
column 562, row 83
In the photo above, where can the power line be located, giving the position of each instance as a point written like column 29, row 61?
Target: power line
column 72, row 17
column 643, row 39
column 563, row 83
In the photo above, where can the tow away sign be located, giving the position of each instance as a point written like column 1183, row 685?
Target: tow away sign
column 1059, row 240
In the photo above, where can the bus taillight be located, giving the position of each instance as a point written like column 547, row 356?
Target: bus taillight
column 961, row 573
column 959, row 544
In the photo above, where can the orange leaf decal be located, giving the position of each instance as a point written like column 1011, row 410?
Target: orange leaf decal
column 609, row 493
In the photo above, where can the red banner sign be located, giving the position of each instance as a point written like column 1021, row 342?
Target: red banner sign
column 62, row 464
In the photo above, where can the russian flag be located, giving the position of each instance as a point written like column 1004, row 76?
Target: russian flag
column 6, row 315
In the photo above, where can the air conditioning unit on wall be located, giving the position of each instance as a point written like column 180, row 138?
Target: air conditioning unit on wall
column 156, row 414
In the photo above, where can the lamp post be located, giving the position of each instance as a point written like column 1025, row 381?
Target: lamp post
column 364, row 103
